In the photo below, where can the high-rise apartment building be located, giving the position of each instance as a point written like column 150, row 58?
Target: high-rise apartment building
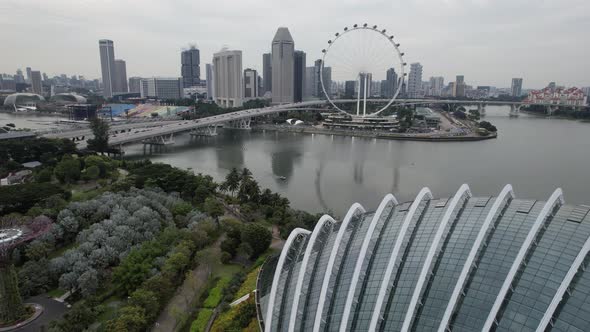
column 29, row 80
column 227, row 78
column 459, row 87
column 266, row 73
column 436, row 86
column 349, row 89
column 162, row 88
column 415, row 81
column 299, row 76
column 310, row 88
column 190, row 67
column 250, row 83
column 135, row 84
column 209, row 78
column 107, row 66
column 120, row 82
column 389, row 85
column 326, row 77
column 283, row 49
column 36, row 86
column 516, row 88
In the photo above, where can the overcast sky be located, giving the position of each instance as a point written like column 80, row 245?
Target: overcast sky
column 488, row 41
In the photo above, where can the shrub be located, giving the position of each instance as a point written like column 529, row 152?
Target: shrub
column 199, row 324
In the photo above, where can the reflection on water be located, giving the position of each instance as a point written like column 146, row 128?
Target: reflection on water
column 324, row 172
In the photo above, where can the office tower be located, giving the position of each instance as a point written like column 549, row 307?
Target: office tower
column 310, row 84
column 299, row 75
column 29, row 75
column 250, row 83
column 107, row 66
column 283, row 49
column 120, row 81
column 459, row 87
column 349, row 89
column 389, row 85
column 415, row 81
column 190, row 67
column 516, row 88
column 326, row 77
column 209, row 78
column 365, row 80
column 227, row 78
column 36, row 86
column 45, row 78
column 260, row 94
column 162, row 88
column 135, row 84
column 266, row 73
column 436, row 86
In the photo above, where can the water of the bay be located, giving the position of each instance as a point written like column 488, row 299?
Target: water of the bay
column 328, row 173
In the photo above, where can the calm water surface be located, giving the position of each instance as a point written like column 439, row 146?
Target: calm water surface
column 329, row 173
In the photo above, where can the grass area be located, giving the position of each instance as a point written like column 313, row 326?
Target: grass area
column 216, row 293
column 249, row 284
column 200, row 323
column 56, row 292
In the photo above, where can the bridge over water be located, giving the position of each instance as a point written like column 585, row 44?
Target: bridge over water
column 161, row 132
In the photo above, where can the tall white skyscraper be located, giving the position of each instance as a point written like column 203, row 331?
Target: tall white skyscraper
column 107, row 66
column 227, row 78
column 120, row 82
column 415, row 80
column 283, row 49
column 436, row 86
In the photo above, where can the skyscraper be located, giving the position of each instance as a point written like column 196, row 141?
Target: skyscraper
column 349, row 89
column 310, row 88
column 326, row 77
column 250, row 83
column 366, row 80
column 283, row 49
column 29, row 80
column 299, row 75
column 516, row 88
column 436, row 86
column 135, row 84
column 19, row 78
column 459, row 87
column 227, row 78
column 190, row 67
column 107, row 66
column 120, row 82
column 209, row 78
column 415, row 81
column 35, row 77
column 389, row 85
column 266, row 73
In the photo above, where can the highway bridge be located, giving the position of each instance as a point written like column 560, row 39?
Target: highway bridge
column 162, row 132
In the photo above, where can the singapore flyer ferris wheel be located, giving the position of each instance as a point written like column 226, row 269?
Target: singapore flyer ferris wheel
column 368, row 62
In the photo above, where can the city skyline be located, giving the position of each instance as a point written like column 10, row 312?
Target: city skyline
column 479, row 51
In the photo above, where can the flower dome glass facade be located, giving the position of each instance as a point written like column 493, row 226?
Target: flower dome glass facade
column 459, row 264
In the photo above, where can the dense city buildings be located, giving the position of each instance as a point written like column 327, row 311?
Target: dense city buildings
column 209, row 78
column 326, row 77
column 250, row 84
column 415, row 81
column 28, row 70
column 227, row 78
column 349, row 88
column 120, row 82
column 35, row 79
column 162, row 88
column 190, row 67
column 299, row 76
column 516, row 87
column 557, row 96
column 484, row 91
column 437, row 85
column 135, row 84
column 365, row 85
column 283, row 57
column 466, row 263
column 389, row 85
column 107, row 66
column 310, row 84
column 266, row 73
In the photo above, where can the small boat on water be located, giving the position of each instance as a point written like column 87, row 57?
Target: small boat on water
column 282, row 178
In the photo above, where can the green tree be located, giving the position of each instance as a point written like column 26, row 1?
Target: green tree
column 147, row 300
column 130, row 319
column 67, row 170
column 100, row 130
column 11, row 305
column 214, row 208
column 488, row 126
column 232, row 181
column 258, row 237
column 91, row 173
column 44, row 175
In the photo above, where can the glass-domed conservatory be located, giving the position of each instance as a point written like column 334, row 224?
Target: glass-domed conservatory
column 460, row 264
column 23, row 98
